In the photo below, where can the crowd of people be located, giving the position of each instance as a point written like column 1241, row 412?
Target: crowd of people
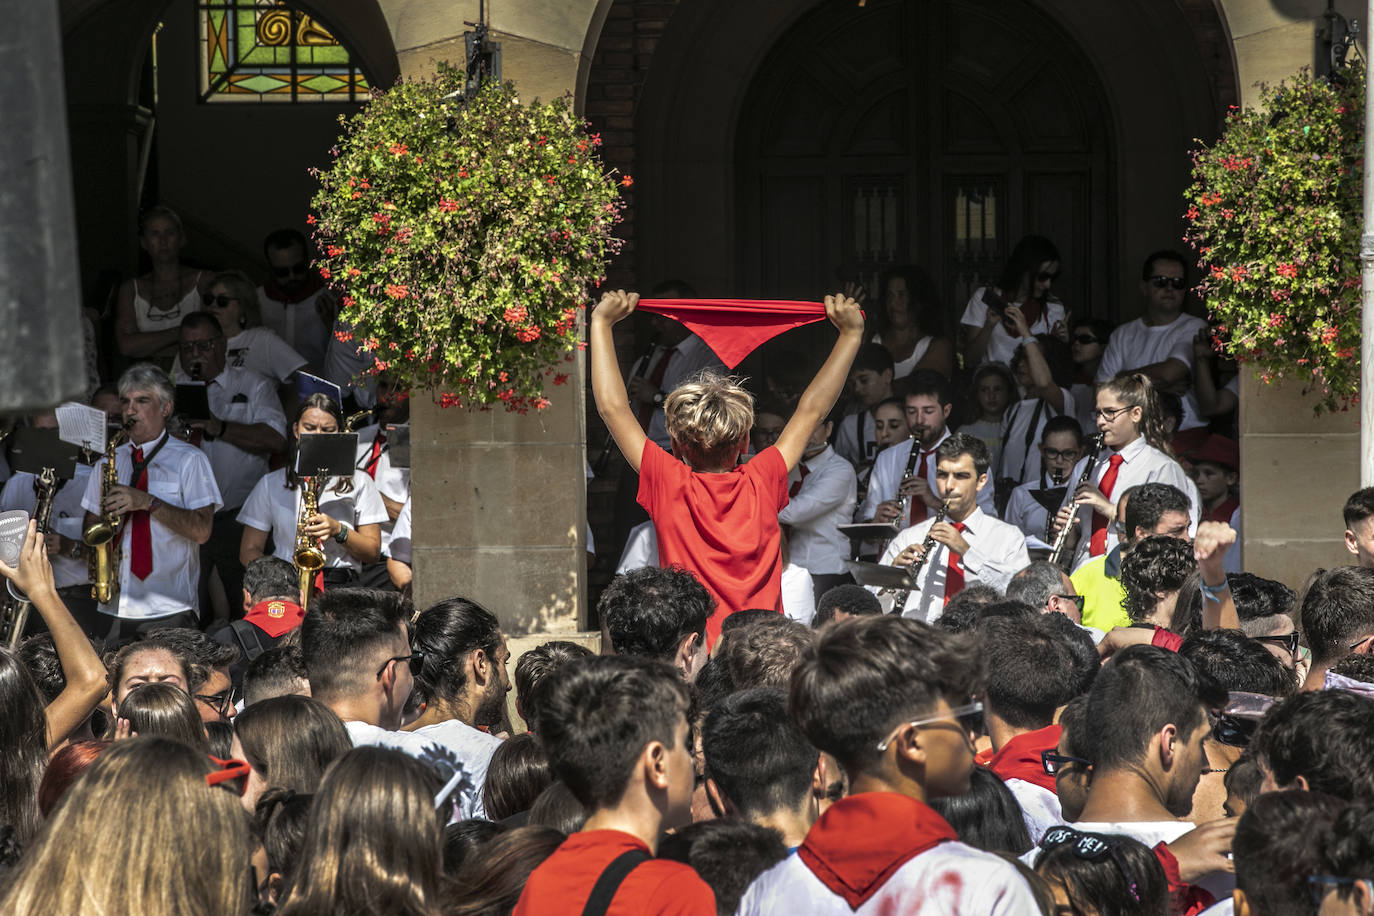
column 1037, row 681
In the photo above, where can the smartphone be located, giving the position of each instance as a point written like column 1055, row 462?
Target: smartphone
column 994, row 302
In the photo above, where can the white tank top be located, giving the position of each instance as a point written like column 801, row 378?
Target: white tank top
column 150, row 319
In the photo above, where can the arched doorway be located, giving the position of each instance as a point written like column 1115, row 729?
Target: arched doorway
column 936, row 133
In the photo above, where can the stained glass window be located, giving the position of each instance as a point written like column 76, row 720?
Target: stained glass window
column 266, row 51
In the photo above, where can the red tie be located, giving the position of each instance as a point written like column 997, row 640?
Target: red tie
column 646, row 412
column 797, row 485
column 375, row 458
column 141, row 532
column 919, row 510
column 1098, row 545
column 954, row 570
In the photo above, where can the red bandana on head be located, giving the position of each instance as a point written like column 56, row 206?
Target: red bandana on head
column 275, row 617
column 733, row 328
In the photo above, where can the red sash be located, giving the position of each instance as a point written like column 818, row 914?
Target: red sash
column 857, row 845
column 1019, row 758
column 275, row 617
column 733, row 328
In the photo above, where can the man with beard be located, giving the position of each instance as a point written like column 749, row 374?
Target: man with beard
column 295, row 301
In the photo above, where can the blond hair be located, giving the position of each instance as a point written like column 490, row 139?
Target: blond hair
column 708, row 417
column 148, row 797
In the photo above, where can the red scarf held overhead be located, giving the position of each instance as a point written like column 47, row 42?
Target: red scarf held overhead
column 733, row 328
column 1019, row 758
column 275, row 617
column 861, row 841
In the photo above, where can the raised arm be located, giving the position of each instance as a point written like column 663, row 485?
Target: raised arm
column 820, row 395
column 1209, row 547
column 1042, row 380
column 608, row 385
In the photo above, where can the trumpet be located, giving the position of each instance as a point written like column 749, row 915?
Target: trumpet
column 1057, row 554
column 308, row 554
column 102, row 535
column 900, row 596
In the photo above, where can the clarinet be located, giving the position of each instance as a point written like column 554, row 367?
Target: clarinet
column 1057, row 554
column 900, row 596
column 1056, row 480
column 904, row 502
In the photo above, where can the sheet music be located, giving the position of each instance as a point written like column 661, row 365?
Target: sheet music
column 82, row 425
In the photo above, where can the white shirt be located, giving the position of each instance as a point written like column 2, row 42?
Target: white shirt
column 180, row 476
column 442, row 747
column 854, row 440
column 272, row 507
column 1137, row 344
column 1143, row 464
column 1025, row 512
column 1039, row 807
column 948, row 879
column 798, row 594
column 901, row 368
column 67, row 518
column 391, row 482
column 240, row 396
column 1020, row 456
column 258, row 350
column 887, row 474
column 997, row 551
column 399, row 548
column 1152, row 833
column 690, row 356
column 300, row 324
column 1001, row 345
column 825, row 501
column 641, row 549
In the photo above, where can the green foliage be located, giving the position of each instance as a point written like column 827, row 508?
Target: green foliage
column 1275, row 215
column 464, row 238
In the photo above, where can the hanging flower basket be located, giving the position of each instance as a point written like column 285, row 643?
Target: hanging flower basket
column 1275, row 215
column 464, row 237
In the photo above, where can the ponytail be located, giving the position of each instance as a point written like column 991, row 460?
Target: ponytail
column 1134, row 389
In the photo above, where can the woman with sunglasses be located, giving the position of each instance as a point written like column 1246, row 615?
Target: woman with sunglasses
column 987, row 329
column 1135, row 450
column 1093, row 874
column 1087, row 343
column 150, row 307
column 233, row 301
column 348, row 523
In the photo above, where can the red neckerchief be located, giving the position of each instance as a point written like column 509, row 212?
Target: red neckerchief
column 313, row 285
column 1223, row 512
column 1185, row 899
column 733, row 328
column 275, row 617
column 861, row 841
column 1019, row 758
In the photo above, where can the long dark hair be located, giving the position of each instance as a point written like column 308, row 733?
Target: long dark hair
column 23, row 747
column 317, row 401
column 290, row 740
column 987, row 816
column 1025, row 260
column 927, row 311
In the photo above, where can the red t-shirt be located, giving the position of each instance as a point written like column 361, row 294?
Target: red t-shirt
column 722, row 527
column 561, row 885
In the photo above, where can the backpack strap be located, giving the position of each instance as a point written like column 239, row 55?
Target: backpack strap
column 603, row 892
column 244, row 632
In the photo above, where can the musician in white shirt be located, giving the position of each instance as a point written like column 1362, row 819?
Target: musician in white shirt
column 1032, row 504
column 968, row 546
column 821, row 491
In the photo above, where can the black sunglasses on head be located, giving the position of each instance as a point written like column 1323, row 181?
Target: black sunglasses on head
column 1287, row 641
column 1160, row 282
column 1092, row 848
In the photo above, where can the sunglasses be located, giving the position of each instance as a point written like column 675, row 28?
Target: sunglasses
column 1177, row 283
column 1047, row 277
column 1085, row 339
column 1091, row 848
column 1055, row 763
column 1078, row 600
column 1287, row 641
column 969, row 716
column 219, row 702
column 1234, row 731
column 299, row 267
column 416, row 659
column 229, row 770
column 1318, row 886
column 217, row 301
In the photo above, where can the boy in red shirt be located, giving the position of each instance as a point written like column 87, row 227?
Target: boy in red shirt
column 615, row 729
column 714, row 517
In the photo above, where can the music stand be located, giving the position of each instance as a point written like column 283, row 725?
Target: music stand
column 880, row 575
column 398, row 444
column 33, row 449
column 193, row 401
column 334, row 453
column 870, row 531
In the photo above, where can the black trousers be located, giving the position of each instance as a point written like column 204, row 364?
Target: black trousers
column 222, row 552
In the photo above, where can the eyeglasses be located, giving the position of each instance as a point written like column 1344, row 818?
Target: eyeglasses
column 1085, row 339
column 217, row 301
column 1091, row 848
column 228, row 771
column 1068, row 454
column 1318, row 886
column 1159, row 282
column 299, row 267
column 200, row 346
column 1287, row 641
column 1078, row 600
column 220, row 702
column 416, row 659
column 1109, row 413
column 1234, row 731
column 969, row 716
column 1046, row 277
column 1054, row 763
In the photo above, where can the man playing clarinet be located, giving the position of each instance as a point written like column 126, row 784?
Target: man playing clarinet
column 961, row 545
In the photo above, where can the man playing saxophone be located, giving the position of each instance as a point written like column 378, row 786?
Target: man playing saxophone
column 163, row 505
column 968, row 545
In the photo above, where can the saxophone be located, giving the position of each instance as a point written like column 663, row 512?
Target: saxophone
column 16, row 614
column 308, row 554
column 102, row 535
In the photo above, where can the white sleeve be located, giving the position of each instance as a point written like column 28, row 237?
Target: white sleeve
column 798, row 594
column 368, row 508
column 883, row 482
column 400, row 545
column 267, row 406
column 641, row 549
column 1111, row 357
column 818, row 497
column 198, row 485
column 976, row 312
column 283, row 359
column 90, row 499
column 257, row 508
column 999, row 562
